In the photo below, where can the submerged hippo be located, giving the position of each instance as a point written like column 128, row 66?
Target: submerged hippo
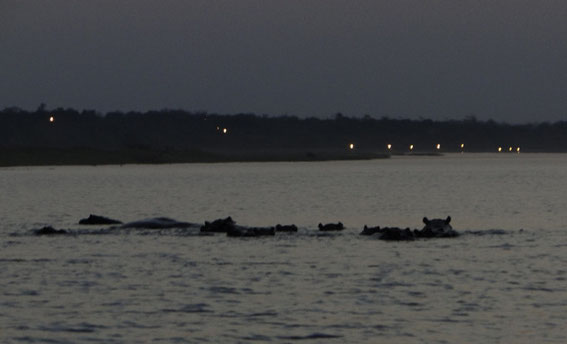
column 331, row 227
column 286, row 228
column 389, row 233
column 48, row 230
column 99, row 220
column 219, row 226
column 240, row 231
column 436, row 228
column 157, row 223
column 231, row 229
column 371, row 230
column 396, row 234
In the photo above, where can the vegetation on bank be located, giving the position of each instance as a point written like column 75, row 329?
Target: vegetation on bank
column 67, row 136
column 24, row 156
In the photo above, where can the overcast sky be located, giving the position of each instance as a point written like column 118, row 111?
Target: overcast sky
column 505, row 60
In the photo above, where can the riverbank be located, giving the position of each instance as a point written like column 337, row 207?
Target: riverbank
column 87, row 156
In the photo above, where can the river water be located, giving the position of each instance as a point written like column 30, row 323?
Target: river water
column 504, row 280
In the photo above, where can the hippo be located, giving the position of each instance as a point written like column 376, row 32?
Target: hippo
column 396, row 234
column 48, row 230
column 286, row 228
column 436, row 228
column 99, row 220
column 331, row 227
column 240, row 231
column 371, row 230
column 389, row 233
column 157, row 223
column 219, row 226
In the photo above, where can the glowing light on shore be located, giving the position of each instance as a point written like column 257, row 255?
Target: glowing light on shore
column 224, row 130
column 510, row 149
column 462, row 146
column 438, row 146
column 518, row 149
column 351, row 146
column 410, row 147
column 389, row 146
column 499, row 149
column 51, row 119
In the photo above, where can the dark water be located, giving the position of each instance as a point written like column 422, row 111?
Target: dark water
column 496, row 283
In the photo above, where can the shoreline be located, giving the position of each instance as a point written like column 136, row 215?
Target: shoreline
column 14, row 157
column 20, row 157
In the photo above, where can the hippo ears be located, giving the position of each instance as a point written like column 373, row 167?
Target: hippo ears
column 448, row 220
column 425, row 220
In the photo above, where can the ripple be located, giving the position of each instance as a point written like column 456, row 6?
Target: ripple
column 315, row 335
column 21, row 260
column 11, row 243
column 191, row 308
column 224, row 290
column 264, row 314
column 534, row 288
column 79, row 328
column 29, row 339
column 505, row 246
column 24, row 292
column 488, row 232
column 257, row 337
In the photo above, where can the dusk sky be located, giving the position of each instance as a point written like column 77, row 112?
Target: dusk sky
column 505, row 60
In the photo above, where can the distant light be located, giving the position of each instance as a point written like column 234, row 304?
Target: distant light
column 351, row 146
column 510, row 149
column 389, row 146
column 499, row 149
column 51, row 119
column 438, row 146
column 218, row 128
column 462, row 146
column 410, row 147
column 518, row 149
column 224, row 130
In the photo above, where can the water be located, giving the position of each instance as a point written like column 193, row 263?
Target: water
column 503, row 280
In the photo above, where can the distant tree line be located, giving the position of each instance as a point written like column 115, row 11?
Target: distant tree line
column 170, row 130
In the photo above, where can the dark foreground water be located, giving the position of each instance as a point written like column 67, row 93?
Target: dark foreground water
column 502, row 281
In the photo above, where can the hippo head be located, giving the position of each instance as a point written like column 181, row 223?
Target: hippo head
column 437, row 225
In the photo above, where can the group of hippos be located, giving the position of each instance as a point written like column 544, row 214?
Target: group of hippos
column 436, row 228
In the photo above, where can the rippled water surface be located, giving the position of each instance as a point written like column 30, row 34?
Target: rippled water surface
column 502, row 281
